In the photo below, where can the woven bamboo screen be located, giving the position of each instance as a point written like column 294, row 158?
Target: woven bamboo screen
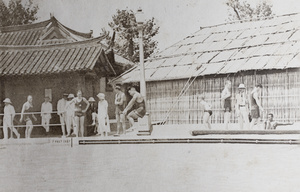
column 280, row 96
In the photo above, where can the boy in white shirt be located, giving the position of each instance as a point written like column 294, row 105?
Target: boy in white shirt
column 46, row 111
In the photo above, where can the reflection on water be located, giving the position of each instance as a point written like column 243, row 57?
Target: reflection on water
column 170, row 167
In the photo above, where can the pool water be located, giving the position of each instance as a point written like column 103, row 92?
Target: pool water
column 159, row 167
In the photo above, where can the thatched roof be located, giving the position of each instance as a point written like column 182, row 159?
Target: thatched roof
column 269, row 43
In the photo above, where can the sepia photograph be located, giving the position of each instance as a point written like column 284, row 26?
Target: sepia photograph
column 149, row 96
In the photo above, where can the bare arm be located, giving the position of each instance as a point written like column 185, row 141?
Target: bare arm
column 22, row 112
column 279, row 124
column 130, row 104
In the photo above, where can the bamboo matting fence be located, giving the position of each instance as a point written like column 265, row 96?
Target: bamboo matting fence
column 280, row 96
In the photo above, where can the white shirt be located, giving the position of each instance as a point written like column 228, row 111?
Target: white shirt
column 61, row 104
column 9, row 112
column 102, row 108
column 241, row 98
column 46, row 109
column 69, row 108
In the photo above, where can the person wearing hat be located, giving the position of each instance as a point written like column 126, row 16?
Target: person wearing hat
column 69, row 114
column 9, row 115
column 120, row 102
column 241, row 107
column 91, row 116
column 103, row 129
column 27, row 115
column 255, row 105
column 226, row 102
column 46, row 110
column 61, row 104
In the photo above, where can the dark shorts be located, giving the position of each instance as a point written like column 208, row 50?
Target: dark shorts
column 208, row 111
column 227, row 105
column 255, row 112
column 137, row 113
column 119, row 110
column 79, row 113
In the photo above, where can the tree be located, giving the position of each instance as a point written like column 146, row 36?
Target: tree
column 242, row 10
column 126, row 40
column 17, row 13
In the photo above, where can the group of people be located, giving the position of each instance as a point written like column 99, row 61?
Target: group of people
column 248, row 107
column 73, row 111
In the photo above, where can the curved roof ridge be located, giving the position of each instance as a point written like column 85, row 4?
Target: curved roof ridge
column 61, row 45
column 25, row 26
column 43, row 24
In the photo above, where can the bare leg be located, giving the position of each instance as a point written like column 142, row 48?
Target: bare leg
column 30, row 128
column 253, row 122
column 82, row 126
column 206, row 120
column 131, row 121
column 226, row 119
column 76, row 127
column 118, row 123
column 122, row 117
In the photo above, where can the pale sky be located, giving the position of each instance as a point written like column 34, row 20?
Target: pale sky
column 176, row 18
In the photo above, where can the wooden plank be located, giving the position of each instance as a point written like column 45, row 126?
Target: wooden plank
column 242, row 132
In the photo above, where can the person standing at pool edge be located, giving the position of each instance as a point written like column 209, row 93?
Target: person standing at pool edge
column 61, row 104
column 255, row 105
column 28, row 116
column 207, row 112
column 46, row 111
column 120, row 102
column 241, row 107
column 81, row 106
column 226, row 102
column 102, row 115
column 8, row 118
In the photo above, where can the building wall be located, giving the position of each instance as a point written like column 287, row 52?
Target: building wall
column 18, row 88
column 280, row 96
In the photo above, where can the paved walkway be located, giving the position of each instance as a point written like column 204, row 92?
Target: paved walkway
column 160, row 132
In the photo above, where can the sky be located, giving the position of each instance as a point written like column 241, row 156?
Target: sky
column 176, row 18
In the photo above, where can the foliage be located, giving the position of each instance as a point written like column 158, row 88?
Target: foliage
column 126, row 29
column 17, row 12
column 242, row 10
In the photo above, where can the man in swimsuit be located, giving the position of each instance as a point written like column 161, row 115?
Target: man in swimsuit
column 271, row 124
column 207, row 112
column 28, row 116
column 137, row 103
column 226, row 102
column 255, row 105
column 120, row 102
column 81, row 106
